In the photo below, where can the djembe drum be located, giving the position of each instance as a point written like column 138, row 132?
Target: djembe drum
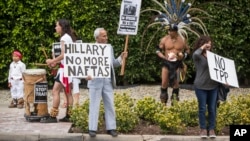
column 31, row 77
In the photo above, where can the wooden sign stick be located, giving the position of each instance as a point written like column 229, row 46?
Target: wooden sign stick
column 44, row 52
column 124, row 59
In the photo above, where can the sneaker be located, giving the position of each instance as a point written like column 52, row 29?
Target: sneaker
column 65, row 119
column 203, row 133
column 113, row 133
column 212, row 134
column 92, row 133
column 48, row 120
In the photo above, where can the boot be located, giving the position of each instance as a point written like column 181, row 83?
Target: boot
column 175, row 95
column 20, row 103
column 52, row 118
column 164, row 95
column 67, row 117
column 13, row 103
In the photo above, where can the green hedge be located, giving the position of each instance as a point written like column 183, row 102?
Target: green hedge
column 29, row 26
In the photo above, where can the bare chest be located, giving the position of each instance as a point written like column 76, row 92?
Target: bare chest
column 174, row 45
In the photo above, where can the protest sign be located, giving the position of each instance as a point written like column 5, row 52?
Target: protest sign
column 40, row 92
column 129, row 17
column 56, row 49
column 84, row 59
column 222, row 69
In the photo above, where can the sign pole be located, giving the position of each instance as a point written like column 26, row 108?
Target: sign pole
column 124, row 59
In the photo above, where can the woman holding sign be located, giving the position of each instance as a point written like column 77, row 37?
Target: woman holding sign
column 64, row 29
column 206, row 89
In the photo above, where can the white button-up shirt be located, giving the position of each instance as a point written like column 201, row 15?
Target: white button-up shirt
column 16, row 70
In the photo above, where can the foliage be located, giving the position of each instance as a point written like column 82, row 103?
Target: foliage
column 234, row 112
column 187, row 112
column 170, row 122
column 171, row 119
column 79, row 116
column 29, row 27
column 147, row 108
column 229, row 29
column 126, row 116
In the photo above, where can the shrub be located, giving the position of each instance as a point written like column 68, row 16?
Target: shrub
column 147, row 108
column 126, row 116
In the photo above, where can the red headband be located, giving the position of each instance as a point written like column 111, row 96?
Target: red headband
column 17, row 53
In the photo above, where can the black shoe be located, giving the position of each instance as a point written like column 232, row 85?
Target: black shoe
column 113, row 133
column 65, row 119
column 48, row 120
column 92, row 133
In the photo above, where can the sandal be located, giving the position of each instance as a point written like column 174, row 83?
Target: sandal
column 64, row 105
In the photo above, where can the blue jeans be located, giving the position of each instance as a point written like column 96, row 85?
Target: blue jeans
column 207, row 99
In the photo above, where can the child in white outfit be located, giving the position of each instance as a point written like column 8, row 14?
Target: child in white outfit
column 15, row 80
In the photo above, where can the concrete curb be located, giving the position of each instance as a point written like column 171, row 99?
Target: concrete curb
column 99, row 137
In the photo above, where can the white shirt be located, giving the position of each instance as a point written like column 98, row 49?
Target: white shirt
column 66, row 39
column 16, row 70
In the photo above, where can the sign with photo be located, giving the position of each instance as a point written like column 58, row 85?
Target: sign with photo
column 56, row 49
column 129, row 17
column 222, row 69
column 40, row 92
column 87, row 59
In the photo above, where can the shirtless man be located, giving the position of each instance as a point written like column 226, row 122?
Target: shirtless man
column 175, row 50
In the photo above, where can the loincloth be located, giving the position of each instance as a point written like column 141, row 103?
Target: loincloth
column 172, row 67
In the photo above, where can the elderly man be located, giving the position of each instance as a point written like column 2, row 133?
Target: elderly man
column 102, row 88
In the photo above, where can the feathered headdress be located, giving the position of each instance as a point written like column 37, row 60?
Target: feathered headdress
column 176, row 17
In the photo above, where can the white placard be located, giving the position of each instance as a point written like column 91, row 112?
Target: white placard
column 129, row 17
column 222, row 69
column 83, row 59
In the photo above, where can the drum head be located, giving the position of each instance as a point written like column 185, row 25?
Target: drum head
column 35, row 71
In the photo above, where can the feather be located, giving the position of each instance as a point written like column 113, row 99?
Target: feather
column 174, row 6
column 164, row 9
column 180, row 7
column 184, row 11
column 168, row 7
column 176, row 15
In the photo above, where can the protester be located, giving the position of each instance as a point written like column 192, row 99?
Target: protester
column 172, row 50
column 65, row 31
column 15, row 80
column 75, row 84
column 206, row 89
column 102, row 88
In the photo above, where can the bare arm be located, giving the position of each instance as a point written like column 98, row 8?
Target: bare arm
column 160, row 48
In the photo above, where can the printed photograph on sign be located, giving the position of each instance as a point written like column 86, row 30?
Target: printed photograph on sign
column 129, row 9
column 222, row 69
column 87, row 59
